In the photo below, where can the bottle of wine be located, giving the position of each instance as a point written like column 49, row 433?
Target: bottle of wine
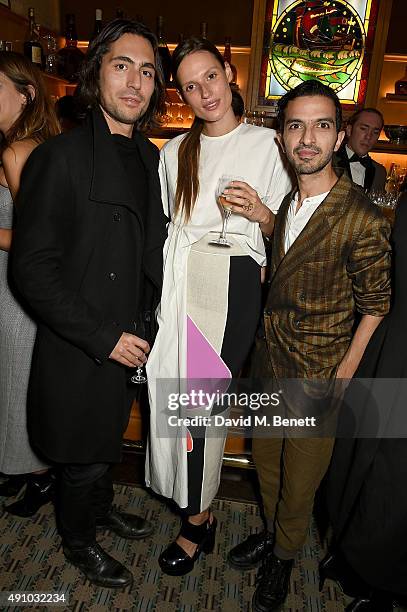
column 32, row 46
column 392, row 179
column 70, row 57
column 163, row 51
column 204, row 29
column 400, row 86
column 227, row 56
column 98, row 24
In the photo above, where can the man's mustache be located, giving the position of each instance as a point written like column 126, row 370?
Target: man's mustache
column 302, row 148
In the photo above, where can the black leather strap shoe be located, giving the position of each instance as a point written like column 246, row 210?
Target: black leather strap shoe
column 273, row 580
column 129, row 526
column 99, row 567
column 249, row 553
column 175, row 561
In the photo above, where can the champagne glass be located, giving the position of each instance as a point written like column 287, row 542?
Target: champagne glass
column 223, row 183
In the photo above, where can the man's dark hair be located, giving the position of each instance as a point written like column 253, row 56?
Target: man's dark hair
column 352, row 120
column 88, row 87
column 309, row 88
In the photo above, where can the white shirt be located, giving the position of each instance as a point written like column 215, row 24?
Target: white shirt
column 296, row 222
column 248, row 151
column 356, row 169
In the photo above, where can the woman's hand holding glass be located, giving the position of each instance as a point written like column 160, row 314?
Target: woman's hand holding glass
column 244, row 200
column 226, row 209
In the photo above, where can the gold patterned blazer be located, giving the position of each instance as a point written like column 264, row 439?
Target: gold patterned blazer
column 337, row 267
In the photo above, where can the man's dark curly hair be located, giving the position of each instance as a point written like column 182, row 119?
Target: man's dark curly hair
column 309, row 88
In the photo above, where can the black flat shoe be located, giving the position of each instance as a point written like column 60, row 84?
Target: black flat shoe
column 335, row 567
column 12, row 485
column 249, row 553
column 374, row 603
column 129, row 526
column 175, row 561
column 99, row 567
column 40, row 490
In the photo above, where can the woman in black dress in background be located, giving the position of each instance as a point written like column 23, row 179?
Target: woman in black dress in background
column 367, row 483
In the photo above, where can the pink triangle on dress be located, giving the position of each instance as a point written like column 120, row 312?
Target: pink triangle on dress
column 202, row 359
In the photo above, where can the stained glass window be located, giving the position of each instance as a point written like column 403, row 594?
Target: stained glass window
column 328, row 40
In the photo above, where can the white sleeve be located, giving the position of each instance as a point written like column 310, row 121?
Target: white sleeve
column 162, row 172
column 280, row 181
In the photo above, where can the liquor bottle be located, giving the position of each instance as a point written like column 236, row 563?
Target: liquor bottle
column 32, row 46
column 98, row 24
column 400, row 86
column 119, row 13
column 204, row 29
column 164, row 51
column 70, row 57
column 227, row 56
column 392, row 179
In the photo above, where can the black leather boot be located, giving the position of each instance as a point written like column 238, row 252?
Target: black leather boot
column 273, row 580
column 175, row 561
column 129, row 526
column 39, row 491
column 249, row 553
column 99, row 567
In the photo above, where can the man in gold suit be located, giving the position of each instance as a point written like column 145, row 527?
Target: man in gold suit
column 330, row 273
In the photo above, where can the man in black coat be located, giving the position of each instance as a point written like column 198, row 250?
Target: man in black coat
column 87, row 258
column 362, row 133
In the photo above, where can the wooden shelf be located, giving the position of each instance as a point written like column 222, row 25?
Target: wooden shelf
column 58, row 79
column 385, row 146
column 166, row 132
column 395, row 98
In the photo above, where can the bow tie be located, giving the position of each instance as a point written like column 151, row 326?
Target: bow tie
column 365, row 161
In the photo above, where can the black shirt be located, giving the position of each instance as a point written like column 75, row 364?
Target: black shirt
column 135, row 171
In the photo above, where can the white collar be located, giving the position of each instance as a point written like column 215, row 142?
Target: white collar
column 350, row 152
column 312, row 200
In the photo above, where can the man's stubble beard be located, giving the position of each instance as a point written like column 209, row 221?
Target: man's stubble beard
column 304, row 168
column 115, row 113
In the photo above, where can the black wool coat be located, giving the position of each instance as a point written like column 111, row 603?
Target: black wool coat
column 366, row 484
column 86, row 263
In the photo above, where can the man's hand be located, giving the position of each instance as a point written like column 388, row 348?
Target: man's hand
column 130, row 351
column 354, row 354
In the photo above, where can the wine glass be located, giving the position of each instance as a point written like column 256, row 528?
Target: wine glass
column 140, row 377
column 223, row 183
column 180, row 116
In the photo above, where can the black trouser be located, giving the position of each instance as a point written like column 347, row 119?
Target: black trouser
column 85, row 494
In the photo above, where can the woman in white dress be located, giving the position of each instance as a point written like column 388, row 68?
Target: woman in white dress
column 210, row 303
column 27, row 118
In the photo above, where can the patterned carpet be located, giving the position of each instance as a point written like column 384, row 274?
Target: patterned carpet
column 32, row 560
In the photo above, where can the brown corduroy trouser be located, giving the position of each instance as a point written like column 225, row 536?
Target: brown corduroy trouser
column 290, row 471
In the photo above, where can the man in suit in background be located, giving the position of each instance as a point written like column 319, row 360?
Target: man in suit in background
column 362, row 133
column 330, row 259
column 88, row 260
